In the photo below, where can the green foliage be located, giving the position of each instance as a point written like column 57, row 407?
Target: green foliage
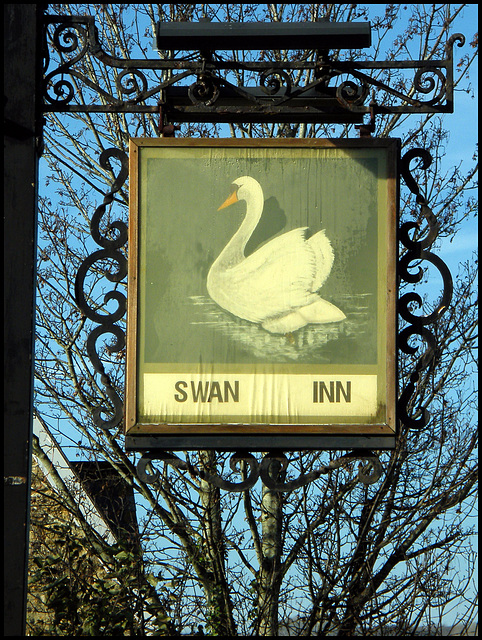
column 82, row 596
column 73, row 591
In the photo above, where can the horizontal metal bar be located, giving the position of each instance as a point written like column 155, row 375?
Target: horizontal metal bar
column 258, row 114
column 212, row 36
column 243, row 96
column 256, row 443
column 192, row 114
column 219, row 64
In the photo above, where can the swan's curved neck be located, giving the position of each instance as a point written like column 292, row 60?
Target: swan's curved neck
column 233, row 252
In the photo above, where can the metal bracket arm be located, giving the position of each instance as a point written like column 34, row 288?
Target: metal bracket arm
column 336, row 92
column 272, row 470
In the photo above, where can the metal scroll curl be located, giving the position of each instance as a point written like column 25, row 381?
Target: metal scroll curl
column 205, row 90
column 430, row 81
column 417, row 252
column 271, row 469
column 70, row 40
column 111, row 240
column 351, row 94
column 73, row 38
column 272, row 80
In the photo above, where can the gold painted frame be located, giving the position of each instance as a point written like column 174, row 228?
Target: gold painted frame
column 196, row 368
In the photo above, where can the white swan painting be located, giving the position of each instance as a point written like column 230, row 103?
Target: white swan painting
column 278, row 285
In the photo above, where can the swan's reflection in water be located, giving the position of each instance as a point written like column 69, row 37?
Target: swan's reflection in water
column 351, row 341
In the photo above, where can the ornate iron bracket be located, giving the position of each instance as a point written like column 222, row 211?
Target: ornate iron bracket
column 337, row 92
column 417, row 251
column 201, row 87
column 273, row 466
column 271, row 470
column 110, row 251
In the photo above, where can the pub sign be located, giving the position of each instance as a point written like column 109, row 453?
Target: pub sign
column 262, row 289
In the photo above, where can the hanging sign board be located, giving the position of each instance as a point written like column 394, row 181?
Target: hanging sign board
column 262, row 292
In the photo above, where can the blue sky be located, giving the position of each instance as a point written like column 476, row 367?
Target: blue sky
column 463, row 125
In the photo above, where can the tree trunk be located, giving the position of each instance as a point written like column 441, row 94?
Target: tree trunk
column 270, row 574
column 221, row 621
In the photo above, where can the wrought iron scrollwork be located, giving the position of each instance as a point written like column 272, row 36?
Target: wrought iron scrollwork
column 337, row 87
column 114, row 237
column 272, row 80
column 205, row 90
column 74, row 38
column 271, row 470
column 350, row 94
column 417, row 251
column 66, row 39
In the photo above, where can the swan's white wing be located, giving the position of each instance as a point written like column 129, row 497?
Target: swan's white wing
column 313, row 257
column 324, row 258
column 276, row 278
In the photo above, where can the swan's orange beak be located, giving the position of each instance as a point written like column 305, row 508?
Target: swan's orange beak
column 229, row 201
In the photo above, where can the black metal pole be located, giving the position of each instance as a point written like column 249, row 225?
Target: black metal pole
column 22, row 65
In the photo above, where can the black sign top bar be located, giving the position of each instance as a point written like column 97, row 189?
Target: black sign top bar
column 189, row 36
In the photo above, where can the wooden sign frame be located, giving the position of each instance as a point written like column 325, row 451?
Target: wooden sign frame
column 212, row 361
